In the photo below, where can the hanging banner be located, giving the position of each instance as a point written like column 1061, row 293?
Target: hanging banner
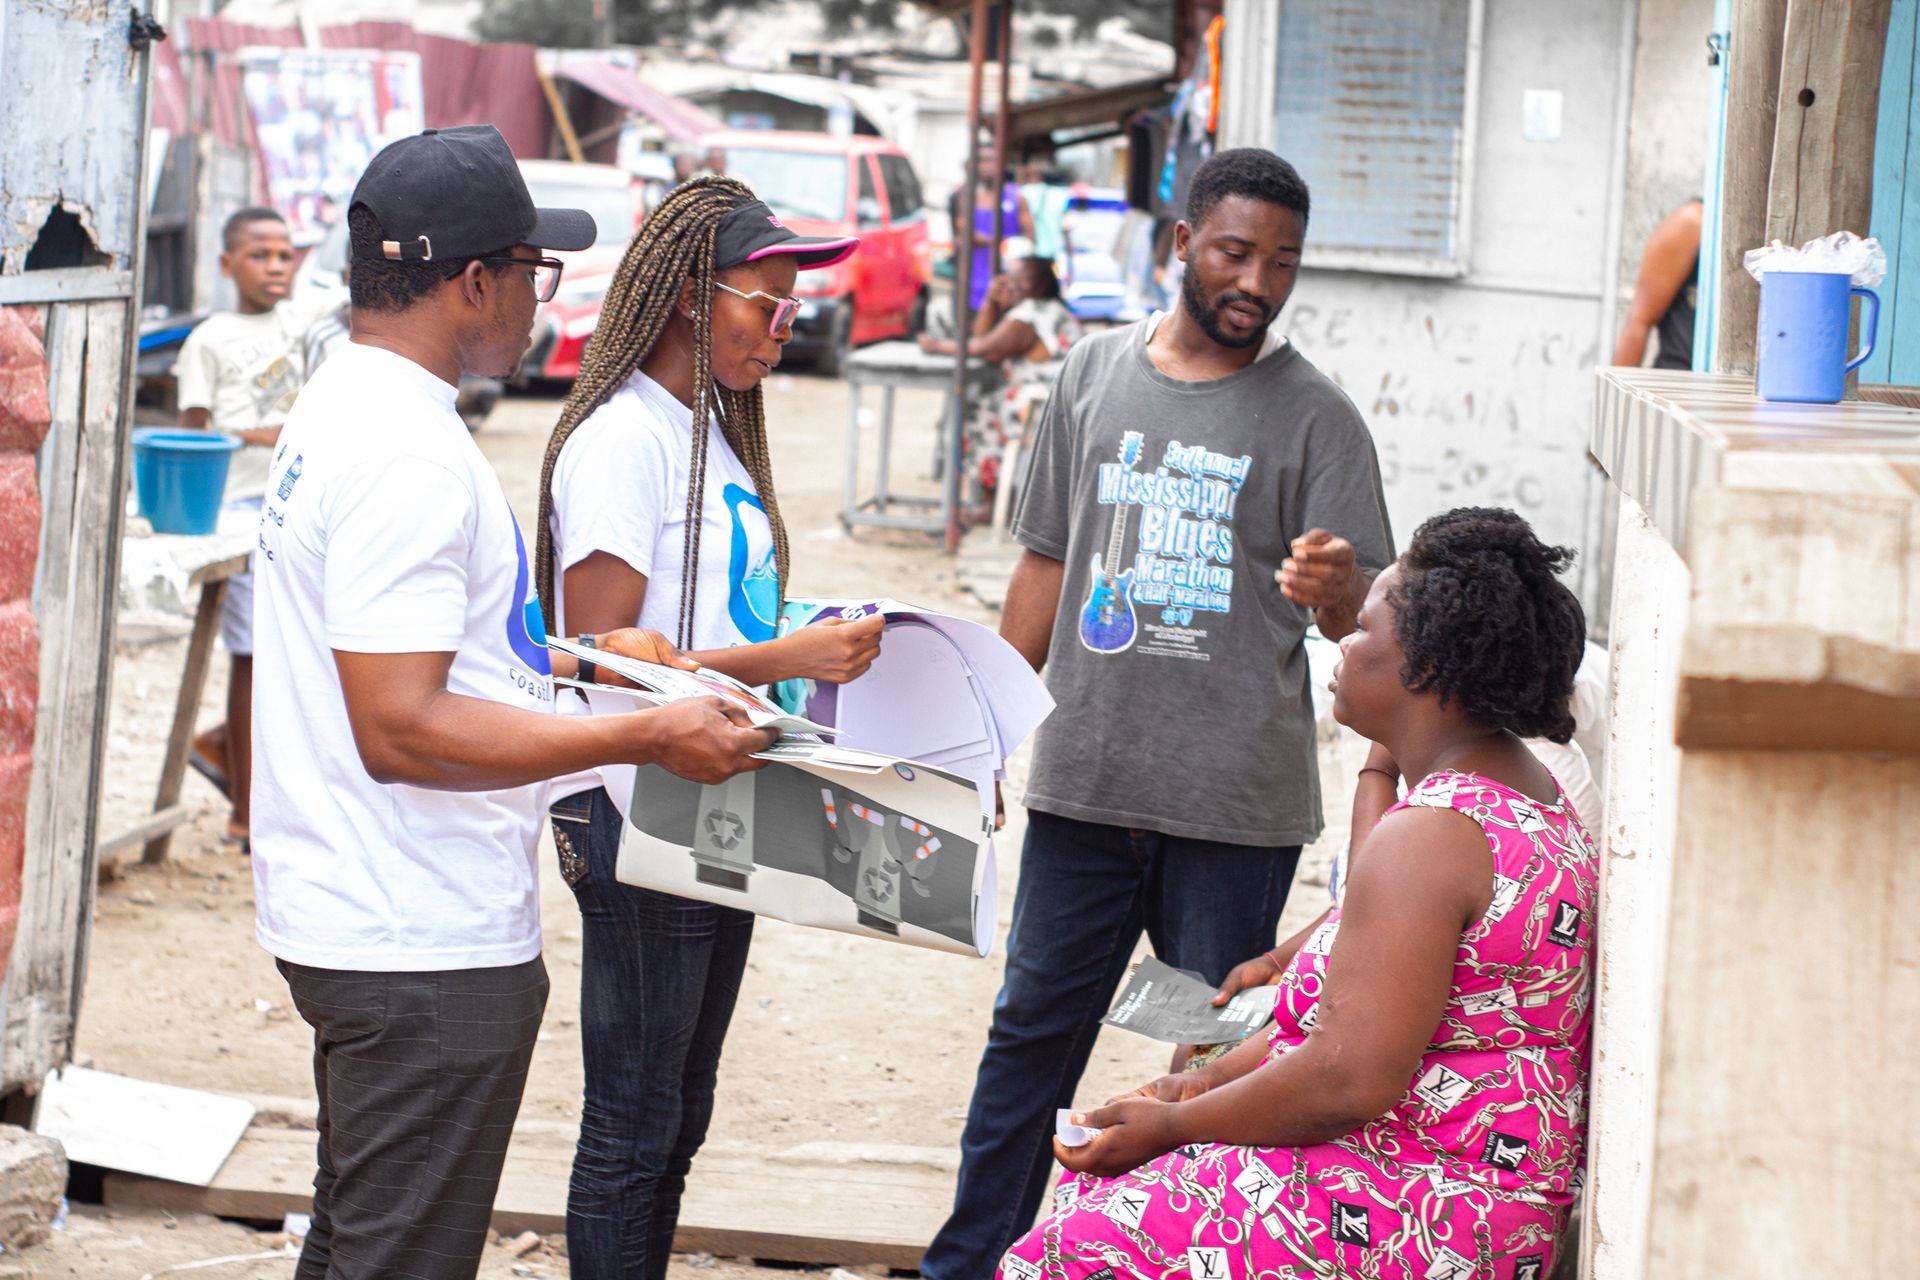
column 319, row 115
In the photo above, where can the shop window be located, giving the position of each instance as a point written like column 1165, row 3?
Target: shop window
column 1374, row 105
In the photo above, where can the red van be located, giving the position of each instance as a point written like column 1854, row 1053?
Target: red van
column 822, row 185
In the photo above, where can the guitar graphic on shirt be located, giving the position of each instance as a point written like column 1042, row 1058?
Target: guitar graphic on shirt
column 1107, row 622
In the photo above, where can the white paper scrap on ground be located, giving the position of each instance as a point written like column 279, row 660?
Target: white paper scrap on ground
column 136, row 1126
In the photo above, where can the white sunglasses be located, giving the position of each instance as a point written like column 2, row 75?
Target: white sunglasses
column 784, row 309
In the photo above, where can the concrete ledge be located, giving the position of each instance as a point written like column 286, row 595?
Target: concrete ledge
column 1800, row 526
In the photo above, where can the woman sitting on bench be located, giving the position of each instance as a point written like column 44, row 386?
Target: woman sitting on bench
column 1418, row 1109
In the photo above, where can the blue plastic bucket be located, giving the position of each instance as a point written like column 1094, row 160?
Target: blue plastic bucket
column 180, row 477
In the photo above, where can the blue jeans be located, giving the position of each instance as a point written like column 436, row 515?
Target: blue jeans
column 659, row 976
column 1086, row 891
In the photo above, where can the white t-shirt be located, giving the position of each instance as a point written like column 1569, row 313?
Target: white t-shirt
column 386, row 531
column 620, row 486
column 244, row 370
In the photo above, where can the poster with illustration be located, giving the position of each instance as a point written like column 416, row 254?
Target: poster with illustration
column 902, row 854
column 886, row 831
column 319, row 115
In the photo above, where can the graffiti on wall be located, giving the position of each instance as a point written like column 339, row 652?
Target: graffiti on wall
column 1473, row 401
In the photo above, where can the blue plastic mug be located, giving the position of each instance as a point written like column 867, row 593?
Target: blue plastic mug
column 1802, row 354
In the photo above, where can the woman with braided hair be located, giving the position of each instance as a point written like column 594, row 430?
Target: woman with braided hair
column 657, row 510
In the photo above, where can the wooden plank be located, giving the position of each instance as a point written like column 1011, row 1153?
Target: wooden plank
column 147, row 828
column 193, row 683
column 1753, row 91
column 1821, row 179
column 796, row 1206
column 92, row 348
column 1823, row 143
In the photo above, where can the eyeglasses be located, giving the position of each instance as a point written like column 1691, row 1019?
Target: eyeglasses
column 784, row 309
column 544, row 272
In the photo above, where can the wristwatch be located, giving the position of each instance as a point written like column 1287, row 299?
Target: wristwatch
column 588, row 670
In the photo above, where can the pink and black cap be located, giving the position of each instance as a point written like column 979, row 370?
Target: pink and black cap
column 753, row 232
column 447, row 194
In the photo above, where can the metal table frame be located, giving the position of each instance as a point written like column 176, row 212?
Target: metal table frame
column 890, row 366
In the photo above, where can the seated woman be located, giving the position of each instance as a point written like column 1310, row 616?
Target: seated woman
column 1025, row 328
column 1419, row 1108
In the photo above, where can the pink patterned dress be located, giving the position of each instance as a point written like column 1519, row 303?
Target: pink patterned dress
column 1468, row 1177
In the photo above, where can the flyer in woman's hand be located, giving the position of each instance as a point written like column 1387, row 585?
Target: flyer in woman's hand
column 660, row 685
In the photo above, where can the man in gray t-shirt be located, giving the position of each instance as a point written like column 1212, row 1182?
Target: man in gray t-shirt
column 1198, row 489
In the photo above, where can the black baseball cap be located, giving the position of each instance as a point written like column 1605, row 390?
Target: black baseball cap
column 753, row 232
column 446, row 194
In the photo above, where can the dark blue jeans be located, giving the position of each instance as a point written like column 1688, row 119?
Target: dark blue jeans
column 1086, row 891
column 658, row 979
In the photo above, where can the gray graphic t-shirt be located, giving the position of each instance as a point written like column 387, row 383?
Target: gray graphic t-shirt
column 1177, row 663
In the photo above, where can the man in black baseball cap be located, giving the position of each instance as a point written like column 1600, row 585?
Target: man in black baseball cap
column 457, row 193
column 440, row 224
column 404, row 699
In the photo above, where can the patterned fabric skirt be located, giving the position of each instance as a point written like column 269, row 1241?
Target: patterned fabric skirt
column 1240, row 1213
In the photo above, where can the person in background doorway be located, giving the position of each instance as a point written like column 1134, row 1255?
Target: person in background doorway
column 238, row 372
column 1664, row 295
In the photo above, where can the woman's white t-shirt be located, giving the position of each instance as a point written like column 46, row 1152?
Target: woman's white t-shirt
column 620, row 487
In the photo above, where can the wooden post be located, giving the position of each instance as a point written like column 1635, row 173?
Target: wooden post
column 1753, row 90
column 560, row 116
column 1004, row 30
column 1829, row 104
column 1803, row 96
column 963, row 242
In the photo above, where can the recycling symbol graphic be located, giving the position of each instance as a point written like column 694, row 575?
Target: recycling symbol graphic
column 725, row 829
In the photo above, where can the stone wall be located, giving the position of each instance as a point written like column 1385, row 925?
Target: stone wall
column 23, row 425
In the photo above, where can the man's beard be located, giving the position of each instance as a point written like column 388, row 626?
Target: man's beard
column 1209, row 318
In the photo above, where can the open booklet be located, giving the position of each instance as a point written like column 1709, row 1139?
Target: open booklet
column 660, row 685
column 885, row 832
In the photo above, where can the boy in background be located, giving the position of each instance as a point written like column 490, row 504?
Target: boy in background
column 238, row 373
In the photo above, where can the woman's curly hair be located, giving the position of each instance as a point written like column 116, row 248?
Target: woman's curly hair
column 1483, row 617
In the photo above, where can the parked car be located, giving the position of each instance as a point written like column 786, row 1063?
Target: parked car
column 822, row 185
column 562, row 327
column 1091, row 280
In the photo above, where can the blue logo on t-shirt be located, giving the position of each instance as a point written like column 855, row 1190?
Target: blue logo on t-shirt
column 753, row 592
column 526, row 626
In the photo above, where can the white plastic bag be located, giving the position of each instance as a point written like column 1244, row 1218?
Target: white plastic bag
column 1842, row 254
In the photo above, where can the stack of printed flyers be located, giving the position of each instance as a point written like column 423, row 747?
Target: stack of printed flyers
column 884, row 831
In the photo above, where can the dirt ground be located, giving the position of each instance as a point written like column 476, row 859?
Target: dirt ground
column 835, row 1039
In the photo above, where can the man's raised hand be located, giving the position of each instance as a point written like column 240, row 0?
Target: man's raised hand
column 1320, row 571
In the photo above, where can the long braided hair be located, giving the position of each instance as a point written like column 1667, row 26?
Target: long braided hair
column 675, row 242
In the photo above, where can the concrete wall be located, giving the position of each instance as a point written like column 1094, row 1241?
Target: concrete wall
column 1672, row 106
column 1650, row 607
column 1478, row 389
